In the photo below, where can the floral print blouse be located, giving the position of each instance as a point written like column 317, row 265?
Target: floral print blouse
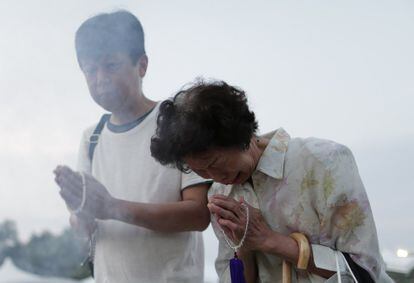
column 310, row 186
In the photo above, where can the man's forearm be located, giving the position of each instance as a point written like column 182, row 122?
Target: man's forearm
column 186, row 215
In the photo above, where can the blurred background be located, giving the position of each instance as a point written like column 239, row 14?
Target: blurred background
column 340, row 70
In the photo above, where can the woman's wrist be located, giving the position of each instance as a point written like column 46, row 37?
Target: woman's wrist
column 270, row 245
column 280, row 245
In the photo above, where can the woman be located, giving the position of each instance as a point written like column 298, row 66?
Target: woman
column 311, row 186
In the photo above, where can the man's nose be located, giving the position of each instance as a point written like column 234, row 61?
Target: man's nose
column 101, row 77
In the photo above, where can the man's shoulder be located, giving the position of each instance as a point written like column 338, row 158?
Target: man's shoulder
column 88, row 131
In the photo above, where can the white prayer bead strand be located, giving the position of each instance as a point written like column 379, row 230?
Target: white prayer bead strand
column 231, row 245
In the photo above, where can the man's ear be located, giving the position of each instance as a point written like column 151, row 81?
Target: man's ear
column 142, row 65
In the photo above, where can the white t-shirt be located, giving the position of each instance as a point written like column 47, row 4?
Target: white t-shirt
column 123, row 163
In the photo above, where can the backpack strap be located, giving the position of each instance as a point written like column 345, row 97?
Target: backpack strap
column 94, row 138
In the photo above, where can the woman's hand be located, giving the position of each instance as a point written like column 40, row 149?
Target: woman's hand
column 231, row 216
column 99, row 202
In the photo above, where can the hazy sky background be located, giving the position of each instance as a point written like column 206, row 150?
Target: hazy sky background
column 341, row 70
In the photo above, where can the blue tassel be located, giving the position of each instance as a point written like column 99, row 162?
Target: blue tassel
column 236, row 270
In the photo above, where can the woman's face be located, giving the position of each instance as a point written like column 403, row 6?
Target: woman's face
column 225, row 165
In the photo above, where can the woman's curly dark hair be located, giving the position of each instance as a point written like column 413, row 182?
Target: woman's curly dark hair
column 199, row 117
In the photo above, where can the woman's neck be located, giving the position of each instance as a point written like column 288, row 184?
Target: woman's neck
column 257, row 147
column 261, row 143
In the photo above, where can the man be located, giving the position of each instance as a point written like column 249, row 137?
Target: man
column 145, row 212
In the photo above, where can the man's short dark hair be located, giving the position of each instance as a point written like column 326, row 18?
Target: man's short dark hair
column 200, row 117
column 108, row 33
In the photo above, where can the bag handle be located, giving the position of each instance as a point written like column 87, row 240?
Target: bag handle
column 287, row 269
column 338, row 270
column 94, row 138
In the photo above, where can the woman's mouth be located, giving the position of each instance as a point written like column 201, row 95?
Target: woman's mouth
column 236, row 179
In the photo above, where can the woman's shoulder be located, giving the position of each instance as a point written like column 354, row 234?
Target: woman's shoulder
column 319, row 150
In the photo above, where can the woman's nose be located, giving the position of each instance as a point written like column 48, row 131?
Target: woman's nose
column 217, row 175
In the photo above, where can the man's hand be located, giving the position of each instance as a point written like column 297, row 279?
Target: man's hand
column 188, row 214
column 98, row 200
column 83, row 225
column 231, row 216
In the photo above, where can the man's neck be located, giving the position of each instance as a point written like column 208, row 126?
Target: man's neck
column 132, row 111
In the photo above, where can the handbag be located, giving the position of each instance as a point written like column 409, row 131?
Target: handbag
column 287, row 269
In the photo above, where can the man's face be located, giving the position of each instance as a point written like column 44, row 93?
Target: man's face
column 113, row 80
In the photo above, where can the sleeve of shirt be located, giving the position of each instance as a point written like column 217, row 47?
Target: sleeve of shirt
column 222, row 263
column 83, row 163
column 192, row 179
column 225, row 253
column 347, row 224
